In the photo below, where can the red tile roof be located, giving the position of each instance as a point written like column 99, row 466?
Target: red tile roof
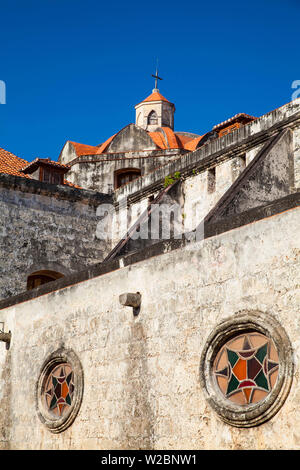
column 104, row 146
column 155, row 96
column 158, row 139
column 82, row 149
column 183, row 139
column 173, row 143
column 192, row 144
column 68, row 183
column 164, row 137
column 238, row 117
column 31, row 166
column 11, row 164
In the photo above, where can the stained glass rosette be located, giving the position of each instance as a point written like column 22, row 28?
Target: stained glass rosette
column 246, row 368
column 59, row 389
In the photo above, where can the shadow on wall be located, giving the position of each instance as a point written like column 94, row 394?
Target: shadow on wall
column 139, row 418
column 5, row 401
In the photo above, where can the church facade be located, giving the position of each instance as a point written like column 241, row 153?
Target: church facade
column 150, row 288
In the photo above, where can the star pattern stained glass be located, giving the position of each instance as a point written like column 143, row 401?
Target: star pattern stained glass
column 59, row 389
column 246, row 368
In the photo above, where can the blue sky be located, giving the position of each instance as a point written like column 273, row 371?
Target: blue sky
column 75, row 69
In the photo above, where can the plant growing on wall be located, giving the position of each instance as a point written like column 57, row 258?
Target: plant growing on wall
column 170, row 179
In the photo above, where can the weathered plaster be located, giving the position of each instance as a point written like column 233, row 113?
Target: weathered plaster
column 142, row 387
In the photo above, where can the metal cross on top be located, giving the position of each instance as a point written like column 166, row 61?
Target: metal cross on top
column 156, row 78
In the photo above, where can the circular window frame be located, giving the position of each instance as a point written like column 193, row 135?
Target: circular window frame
column 253, row 414
column 61, row 356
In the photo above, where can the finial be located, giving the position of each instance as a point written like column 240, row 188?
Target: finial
column 156, row 77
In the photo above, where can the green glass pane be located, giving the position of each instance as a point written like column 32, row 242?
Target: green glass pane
column 68, row 399
column 232, row 357
column 233, row 384
column 69, row 378
column 54, row 381
column 53, row 402
column 261, row 353
column 261, row 381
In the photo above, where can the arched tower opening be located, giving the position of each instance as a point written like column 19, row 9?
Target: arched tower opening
column 39, row 278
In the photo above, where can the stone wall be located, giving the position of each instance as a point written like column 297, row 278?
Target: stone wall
column 97, row 173
column 226, row 158
column 297, row 157
column 46, row 227
column 246, row 141
column 141, row 374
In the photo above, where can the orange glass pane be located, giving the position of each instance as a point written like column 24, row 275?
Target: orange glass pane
column 64, row 390
column 240, row 369
column 247, row 392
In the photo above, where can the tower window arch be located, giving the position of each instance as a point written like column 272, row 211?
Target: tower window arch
column 38, row 278
column 152, row 118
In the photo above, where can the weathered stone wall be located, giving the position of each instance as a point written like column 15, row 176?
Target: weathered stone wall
column 141, row 374
column 246, row 141
column 97, row 173
column 46, row 227
column 227, row 157
column 297, row 157
column 197, row 196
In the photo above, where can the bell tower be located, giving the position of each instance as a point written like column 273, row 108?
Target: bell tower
column 155, row 111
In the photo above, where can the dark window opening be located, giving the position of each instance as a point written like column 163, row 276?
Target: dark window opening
column 126, row 176
column 243, row 161
column 51, row 176
column 211, row 180
column 150, row 199
column 41, row 277
column 152, row 118
column 46, row 176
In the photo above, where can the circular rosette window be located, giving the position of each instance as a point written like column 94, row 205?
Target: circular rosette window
column 246, row 369
column 59, row 390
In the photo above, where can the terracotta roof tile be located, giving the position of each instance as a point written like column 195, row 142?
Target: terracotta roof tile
column 173, row 143
column 192, row 144
column 240, row 116
column 183, row 139
column 68, row 183
column 47, row 161
column 104, row 146
column 155, row 96
column 167, row 138
column 11, row 164
column 82, row 149
column 158, row 139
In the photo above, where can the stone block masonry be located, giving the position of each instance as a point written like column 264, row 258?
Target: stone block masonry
column 45, row 227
